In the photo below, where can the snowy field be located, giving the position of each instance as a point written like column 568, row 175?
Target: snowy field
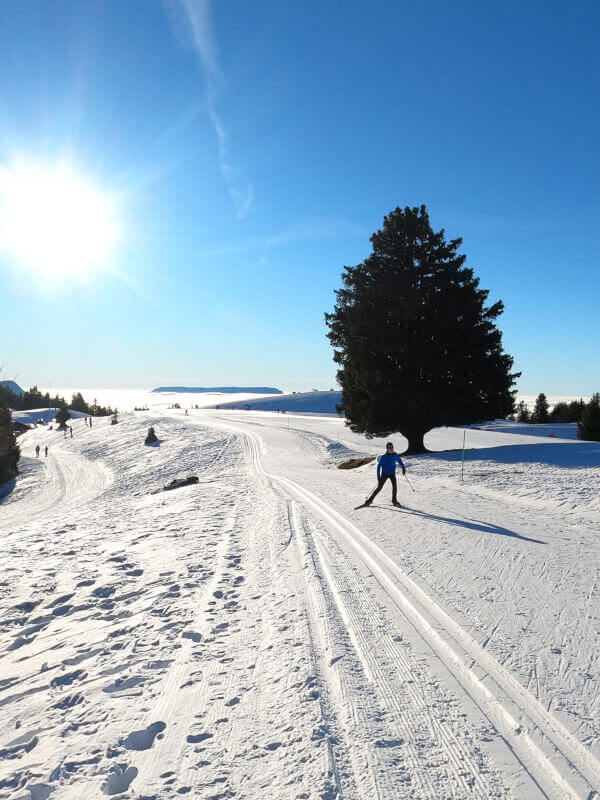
column 256, row 636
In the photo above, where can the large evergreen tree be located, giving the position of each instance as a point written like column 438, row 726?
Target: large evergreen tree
column 9, row 450
column 416, row 345
column 588, row 427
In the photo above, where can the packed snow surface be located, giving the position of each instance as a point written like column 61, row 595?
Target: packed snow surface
column 258, row 636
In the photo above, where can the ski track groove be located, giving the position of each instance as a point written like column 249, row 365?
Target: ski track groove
column 545, row 774
column 460, row 760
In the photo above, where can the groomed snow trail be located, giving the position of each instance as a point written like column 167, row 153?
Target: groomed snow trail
column 67, row 480
column 244, row 637
column 441, row 631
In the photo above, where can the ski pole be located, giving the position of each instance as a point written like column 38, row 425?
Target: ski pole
column 409, row 483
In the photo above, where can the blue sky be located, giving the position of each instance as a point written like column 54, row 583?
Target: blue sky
column 252, row 149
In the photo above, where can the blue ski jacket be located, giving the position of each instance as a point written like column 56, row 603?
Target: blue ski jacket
column 386, row 464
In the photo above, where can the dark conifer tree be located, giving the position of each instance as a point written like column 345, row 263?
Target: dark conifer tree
column 560, row 413
column 588, row 427
column 416, row 345
column 79, row 404
column 576, row 408
column 522, row 412
column 62, row 416
column 9, row 450
column 540, row 414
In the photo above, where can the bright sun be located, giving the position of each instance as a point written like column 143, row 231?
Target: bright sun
column 53, row 221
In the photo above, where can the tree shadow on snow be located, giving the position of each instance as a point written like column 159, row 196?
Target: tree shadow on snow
column 560, row 454
column 470, row 524
column 6, row 489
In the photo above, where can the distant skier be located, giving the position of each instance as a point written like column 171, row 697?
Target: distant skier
column 37, row 451
column 71, row 431
column 90, row 422
column 386, row 468
column 46, row 451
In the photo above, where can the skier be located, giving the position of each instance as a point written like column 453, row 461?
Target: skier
column 71, row 431
column 37, row 451
column 46, row 451
column 386, row 468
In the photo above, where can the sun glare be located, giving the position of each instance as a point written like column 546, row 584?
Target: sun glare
column 53, row 221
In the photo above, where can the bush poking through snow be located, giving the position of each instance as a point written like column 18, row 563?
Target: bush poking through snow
column 352, row 463
column 177, row 483
column 151, row 436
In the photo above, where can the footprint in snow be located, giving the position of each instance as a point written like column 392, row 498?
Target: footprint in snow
column 68, row 679
column 119, row 779
column 144, row 739
column 196, row 738
column 233, row 702
column 103, row 591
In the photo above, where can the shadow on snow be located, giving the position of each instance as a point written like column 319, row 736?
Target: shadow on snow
column 559, row 454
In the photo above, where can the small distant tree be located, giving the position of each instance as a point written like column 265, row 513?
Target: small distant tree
column 560, row 413
column 151, row 436
column 416, row 344
column 522, row 412
column 588, row 427
column 9, row 450
column 540, row 413
column 79, row 404
column 62, row 416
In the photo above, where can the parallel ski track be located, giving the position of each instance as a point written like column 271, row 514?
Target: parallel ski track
column 417, row 605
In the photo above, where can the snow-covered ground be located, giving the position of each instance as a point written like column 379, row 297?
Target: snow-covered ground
column 297, row 402
column 33, row 415
column 256, row 636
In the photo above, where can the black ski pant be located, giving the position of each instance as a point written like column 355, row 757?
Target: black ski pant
column 380, row 481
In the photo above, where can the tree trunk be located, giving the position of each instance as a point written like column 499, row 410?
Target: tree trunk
column 416, row 444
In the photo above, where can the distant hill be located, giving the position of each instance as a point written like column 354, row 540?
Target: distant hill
column 12, row 387
column 223, row 389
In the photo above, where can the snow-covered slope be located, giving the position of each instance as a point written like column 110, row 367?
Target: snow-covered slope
column 32, row 415
column 299, row 403
column 257, row 636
